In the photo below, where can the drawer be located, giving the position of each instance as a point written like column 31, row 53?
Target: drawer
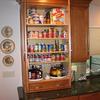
column 45, row 86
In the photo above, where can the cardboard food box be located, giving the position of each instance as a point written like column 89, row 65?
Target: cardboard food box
column 57, row 16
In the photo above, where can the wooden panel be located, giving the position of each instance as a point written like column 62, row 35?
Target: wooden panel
column 68, row 98
column 93, row 96
column 23, row 43
column 80, row 3
column 79, row 33
column 49, row 85
column 60, row 3
column 47, row 1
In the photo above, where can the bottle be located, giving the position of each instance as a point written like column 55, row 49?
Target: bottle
column 57, row 57
column 57, row 33
column 29, row 35
column 33, row 35
column 44, row 47
column 44, row 21
column 57, row 45
column 50, row 33
column 30, row 72
column 41, row 17
column 33, row 72
column 65, row 48
column 48, row 17
column 47, row 33
column 40, row 35
column 44, row 32
column 35, row 58
column 31, row 58
column 62, row 68
column 39, row 72
column 36, row 47
column 39, row 47
column 53, row 57
column 31, row 48
column 62, row 47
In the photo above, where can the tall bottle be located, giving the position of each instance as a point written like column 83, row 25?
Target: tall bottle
column 56, row 45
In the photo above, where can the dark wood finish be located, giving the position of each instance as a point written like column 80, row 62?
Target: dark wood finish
column 92, row 96
column 79, row 30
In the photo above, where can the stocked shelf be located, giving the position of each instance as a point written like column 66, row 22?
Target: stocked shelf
column 49, row 80
column 45, row 62
column 47, row 25
column 48, row 39
column 50, row 52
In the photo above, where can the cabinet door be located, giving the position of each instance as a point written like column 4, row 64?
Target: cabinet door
column 79, row 30
column 69, row 98
column 93, row 96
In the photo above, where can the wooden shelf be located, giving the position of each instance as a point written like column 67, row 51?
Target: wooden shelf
column 49, row 80
column 47, row 38
column 48, row 62
column 47, row 25
column 50, row 52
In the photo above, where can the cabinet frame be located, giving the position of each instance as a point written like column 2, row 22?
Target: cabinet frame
column 29, row 86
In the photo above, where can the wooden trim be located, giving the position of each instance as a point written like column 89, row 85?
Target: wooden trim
column 47, row 3
column 84, row 3
column 23, row 47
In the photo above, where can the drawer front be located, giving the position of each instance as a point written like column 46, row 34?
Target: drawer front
column 48, row 86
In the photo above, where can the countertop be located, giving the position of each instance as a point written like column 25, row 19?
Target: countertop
column 91, row 85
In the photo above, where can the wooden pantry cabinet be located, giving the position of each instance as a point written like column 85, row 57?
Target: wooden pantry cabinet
column 45, row 44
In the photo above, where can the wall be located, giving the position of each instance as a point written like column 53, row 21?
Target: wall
column 94, row 29
column 9, row 16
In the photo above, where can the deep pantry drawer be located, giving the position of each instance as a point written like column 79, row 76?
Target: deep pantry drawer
column 45, row 86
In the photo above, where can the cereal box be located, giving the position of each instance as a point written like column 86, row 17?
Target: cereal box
column 57, row 16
